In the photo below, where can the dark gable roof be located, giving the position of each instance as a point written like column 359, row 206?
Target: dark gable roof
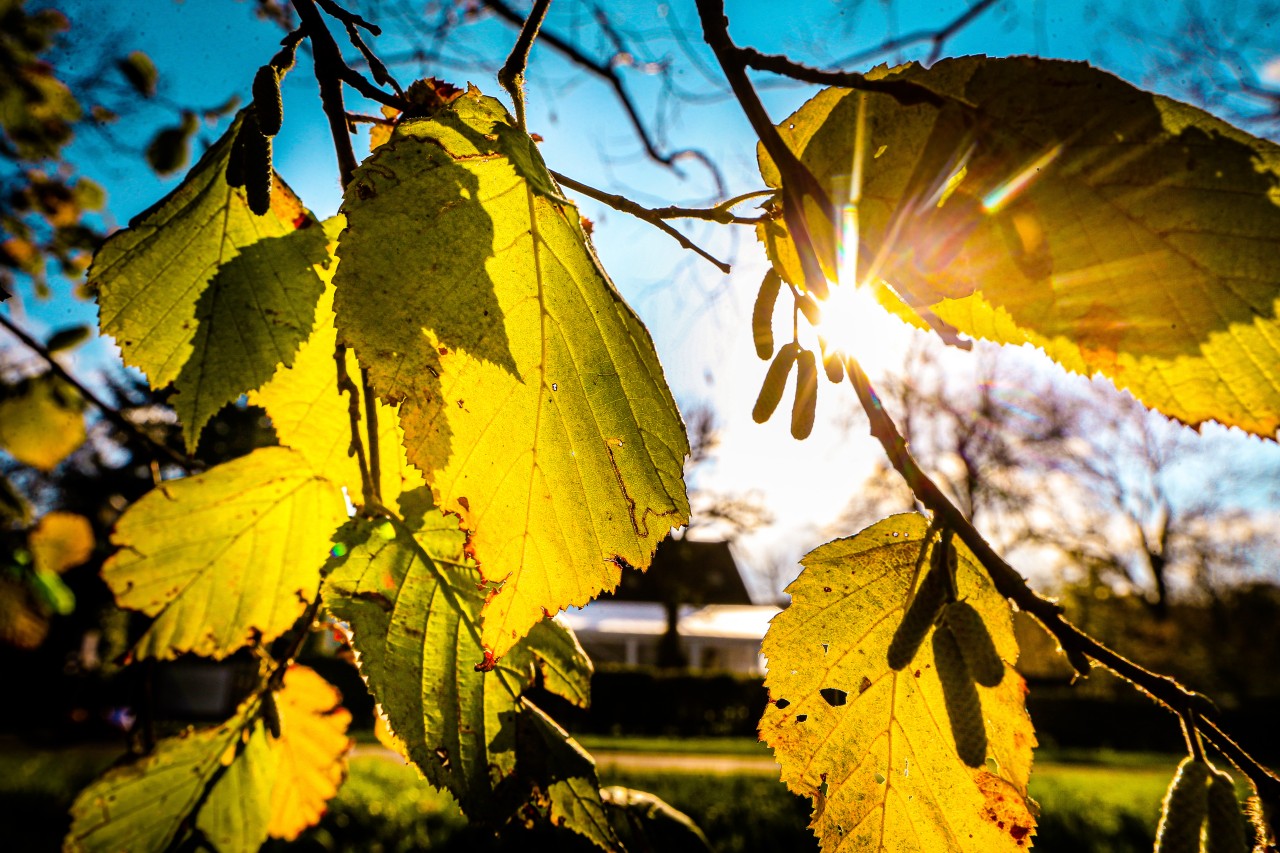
column 687, row 573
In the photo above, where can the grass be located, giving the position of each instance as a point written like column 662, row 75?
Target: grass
column 1100, row 802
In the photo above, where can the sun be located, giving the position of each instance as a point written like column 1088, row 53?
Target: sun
column 853, row 322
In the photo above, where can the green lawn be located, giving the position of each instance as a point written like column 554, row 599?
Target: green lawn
column 1085, row 805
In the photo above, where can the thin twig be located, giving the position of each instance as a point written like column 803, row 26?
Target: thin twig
column 626, row 205
column 906, row 92
column 797, row 181
column 301, row 628
column 609, row 75
column 109, row 412
column 1009, row 583
column 938, row 38
column 511, row 74
column 721, row 213
column 351, row 19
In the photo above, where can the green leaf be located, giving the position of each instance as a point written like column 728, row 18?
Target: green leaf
column 143, row 805
column 412, row 602
column 235, row 783
column 874, row 746
column 244, row 541
column 201, row 293
column 234, row 816
column 531, row 395
column 1051, row 203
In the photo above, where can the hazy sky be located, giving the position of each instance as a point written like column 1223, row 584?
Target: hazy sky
column 207, row 50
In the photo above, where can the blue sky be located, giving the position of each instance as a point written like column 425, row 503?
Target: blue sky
column 209, row 49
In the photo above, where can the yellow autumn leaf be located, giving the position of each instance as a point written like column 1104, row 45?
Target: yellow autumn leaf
column 1051, row 203
column 244, row 540
column 872, row 746
column 531, row 395
column 310, row 752
column 61, row 541
column 201, row 292
column 42, row 421
column 312, row 417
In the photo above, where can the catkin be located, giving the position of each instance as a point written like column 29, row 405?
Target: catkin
column 762, row 314
column 235, row 163
column 834, row 366
column 806, row 403
column 1226, row 833
column 920, row 615
column 964, row 708
column 271, row 713
column 1183, row 811
column 775, row 382
column 257, row 165
column 975, row 643
column 267, row 101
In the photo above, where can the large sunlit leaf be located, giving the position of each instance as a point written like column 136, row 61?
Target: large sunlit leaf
column 532, row 397
column 411, row 600
column 1051, row 203
column 202, row 293
column 872, row 746
column 310, row 415
column 41, row 421
column 226, row 557
column 310, row 754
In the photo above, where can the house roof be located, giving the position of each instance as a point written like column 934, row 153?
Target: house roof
column 687, row 572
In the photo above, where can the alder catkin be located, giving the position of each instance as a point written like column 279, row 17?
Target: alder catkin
column 762, row 314
column 257, row 166
column 1226, row 832
column 267, row 101
column 964, row 708
column 775, row 382
column 235, row 163
column 271, row 713
column 920, row 614
column 834, row 366
column 975, row 641
column 1183, row 811
column 806, row 403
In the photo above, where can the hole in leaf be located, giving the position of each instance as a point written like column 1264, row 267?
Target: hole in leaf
column 834, row 696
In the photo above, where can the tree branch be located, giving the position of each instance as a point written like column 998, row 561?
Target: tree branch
column 609, row 75
column 511, row 74
column 797, row 181
column 109, row 412
column 329, row 69
column 1188, row 705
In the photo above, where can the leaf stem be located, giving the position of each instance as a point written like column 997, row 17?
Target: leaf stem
column 1192, row 708
column 511, row 74
column 109, row 412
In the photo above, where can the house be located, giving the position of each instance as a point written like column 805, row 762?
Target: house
column 690, row 609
